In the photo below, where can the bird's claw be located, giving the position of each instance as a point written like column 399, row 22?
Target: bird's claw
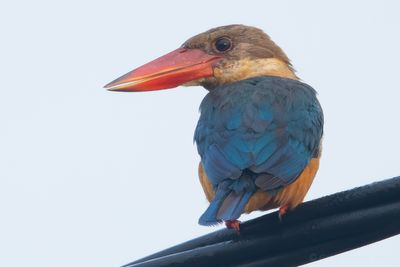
column 233, row 224
column 282, row 211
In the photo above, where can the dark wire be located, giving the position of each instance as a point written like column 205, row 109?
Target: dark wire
column 315, row 230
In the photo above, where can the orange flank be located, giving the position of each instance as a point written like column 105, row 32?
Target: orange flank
column 288, row 198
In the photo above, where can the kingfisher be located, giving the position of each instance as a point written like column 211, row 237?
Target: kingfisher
column 260, row 127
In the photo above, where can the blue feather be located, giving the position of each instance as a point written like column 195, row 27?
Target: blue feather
column 261, row 132
column 233, row 205
column 230, row 199
column 209, row 217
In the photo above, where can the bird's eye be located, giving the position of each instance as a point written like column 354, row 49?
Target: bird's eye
column 223, row 44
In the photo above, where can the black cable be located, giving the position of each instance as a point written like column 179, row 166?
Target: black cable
column 316, row 229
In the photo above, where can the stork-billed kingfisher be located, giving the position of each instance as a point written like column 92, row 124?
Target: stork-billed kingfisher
column 260, row 128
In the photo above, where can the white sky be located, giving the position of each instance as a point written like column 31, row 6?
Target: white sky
column 95, row 178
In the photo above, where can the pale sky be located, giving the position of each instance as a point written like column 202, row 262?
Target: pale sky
column 96, row 178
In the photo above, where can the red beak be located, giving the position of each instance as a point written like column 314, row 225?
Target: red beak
column 171, row 70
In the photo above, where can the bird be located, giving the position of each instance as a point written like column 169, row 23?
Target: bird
column 260, row 129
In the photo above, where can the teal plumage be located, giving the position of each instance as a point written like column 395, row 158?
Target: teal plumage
column 255, row 134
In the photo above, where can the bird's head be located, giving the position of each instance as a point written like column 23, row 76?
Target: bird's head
column 216, row 57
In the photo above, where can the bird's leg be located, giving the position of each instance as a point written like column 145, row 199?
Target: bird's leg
column 233, row 224
column 282, row 211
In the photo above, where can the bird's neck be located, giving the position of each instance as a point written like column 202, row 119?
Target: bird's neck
column 248, row 68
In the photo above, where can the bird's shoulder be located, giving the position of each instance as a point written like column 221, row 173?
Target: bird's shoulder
column 257, row 103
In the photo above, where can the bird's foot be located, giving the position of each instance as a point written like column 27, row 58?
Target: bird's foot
column 233, row 224
column 282, row 211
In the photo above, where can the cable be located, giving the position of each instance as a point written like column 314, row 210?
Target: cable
column 315, row 230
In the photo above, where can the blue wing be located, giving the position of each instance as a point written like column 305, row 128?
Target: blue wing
column 259, row 133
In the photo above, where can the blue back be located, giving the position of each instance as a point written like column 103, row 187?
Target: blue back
column 264, row 130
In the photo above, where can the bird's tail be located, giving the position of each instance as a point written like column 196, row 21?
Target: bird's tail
column 229, row 201
column 209, row 217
